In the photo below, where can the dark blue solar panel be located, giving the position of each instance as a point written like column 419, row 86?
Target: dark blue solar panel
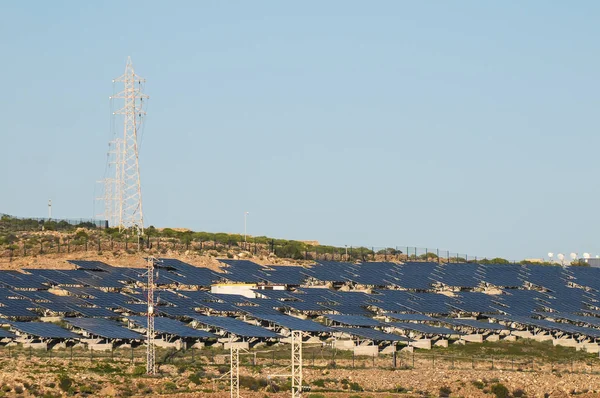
column 292, row 323
column 411, row 317
column 353, row 320
column 425, row 329
column 5, row 334
column 171, row 326
column 104, row 328
column 91, row 265
column 43, row 330
column 371, row 334
column 236, row 327
column 472, row 323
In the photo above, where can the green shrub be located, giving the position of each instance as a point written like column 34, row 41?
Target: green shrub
column 169, row 386
column 478, row 384
column 319, row 383
column 65, row 383
column 500, row 391
column 195, row 378
column 139, row 370
column 445, row 391
column 252, row 384
column 355, row 386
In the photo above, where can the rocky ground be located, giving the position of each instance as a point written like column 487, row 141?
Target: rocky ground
column 57, row 377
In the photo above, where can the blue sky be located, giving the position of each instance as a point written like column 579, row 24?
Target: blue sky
column 469, row 125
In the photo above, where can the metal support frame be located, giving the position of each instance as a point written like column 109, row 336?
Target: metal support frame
column 150, row 349
column 296, row 364
column 234, row 371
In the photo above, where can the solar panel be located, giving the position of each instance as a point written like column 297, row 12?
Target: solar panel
column 472, row 323
column 371, row 334
column 425, row 329
column 104, row 328
column 236, row 326
column 293, row 323
column 353, row 320
column 43, row 330
column 91, row 265
column 171, row 326
column 411, row 317
column 6, row 334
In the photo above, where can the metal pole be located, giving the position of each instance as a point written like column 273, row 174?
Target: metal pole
column 245, row 216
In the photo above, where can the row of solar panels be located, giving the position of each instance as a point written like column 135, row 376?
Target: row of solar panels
column 358, row 326
column 411, row 275
column 92, row 302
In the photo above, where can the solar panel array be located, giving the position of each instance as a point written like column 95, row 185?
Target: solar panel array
column 97, row 294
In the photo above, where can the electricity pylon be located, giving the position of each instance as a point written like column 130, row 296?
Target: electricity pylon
column 127, row 192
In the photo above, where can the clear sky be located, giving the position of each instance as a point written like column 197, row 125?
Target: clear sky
column 465, row 125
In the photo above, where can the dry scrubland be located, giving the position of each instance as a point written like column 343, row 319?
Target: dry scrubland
column 54, row 378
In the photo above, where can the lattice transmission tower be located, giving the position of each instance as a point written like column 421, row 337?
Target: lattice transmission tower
column 150, row 349
column 122, row 189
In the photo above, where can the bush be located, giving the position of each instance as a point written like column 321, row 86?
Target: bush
column 499, row 390
column 319, row 383
column 355, row 386
column 169, row 386
column 478, row 384
column 445, row 391
column 252, row 383
column 65, row 383
column 139, row 370
column 519, row 393
column 195, row 378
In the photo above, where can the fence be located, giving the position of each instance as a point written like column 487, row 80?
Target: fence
column 318, row 358
column 40, row 245
column 12, row 223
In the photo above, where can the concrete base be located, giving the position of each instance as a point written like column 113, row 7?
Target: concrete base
column 424, row 344
column 473, row 338
column 388, row 350
column 565, row 342
column 588, row 347
column 36, row 346
column 408, row 349
column 165, row 344
column 101, row 347
column 344, row 344
column 199, row 345
column 460, row 342
column 542, row 337
column 313, row 340
column 492, row 337
column 510, row 338
column 525, row 334
column 50, row 319
column 239, row 344
column 367, row 350
column 441, row 343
